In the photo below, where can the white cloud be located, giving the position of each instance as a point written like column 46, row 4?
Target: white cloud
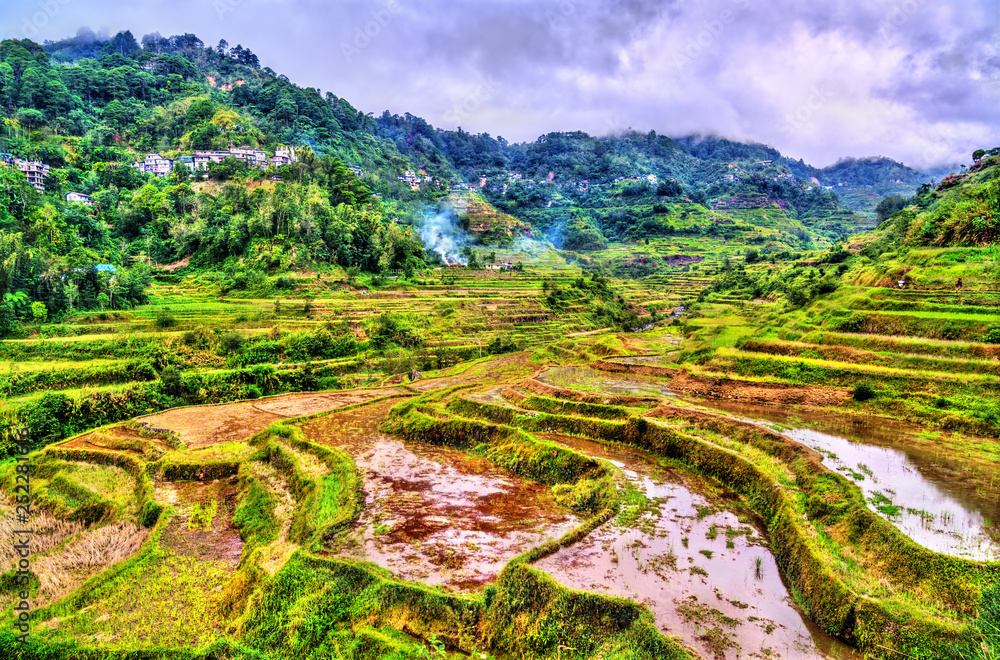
column 912, row 79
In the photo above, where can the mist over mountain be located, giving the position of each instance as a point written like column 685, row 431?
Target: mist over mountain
column 186, row 150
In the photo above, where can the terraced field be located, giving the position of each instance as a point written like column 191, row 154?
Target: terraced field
column 525, row 481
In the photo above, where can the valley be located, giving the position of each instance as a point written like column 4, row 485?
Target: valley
column 363, row 388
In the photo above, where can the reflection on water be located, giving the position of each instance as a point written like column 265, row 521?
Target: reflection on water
column 916, row 493
column 436, row 514
column 703, row 571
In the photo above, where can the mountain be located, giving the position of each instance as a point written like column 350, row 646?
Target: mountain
column 170, row 150
column 860, row 183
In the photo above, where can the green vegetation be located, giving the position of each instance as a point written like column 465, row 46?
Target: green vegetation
column 599, row 278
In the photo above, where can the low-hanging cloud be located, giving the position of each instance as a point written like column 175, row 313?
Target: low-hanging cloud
column 912, row 79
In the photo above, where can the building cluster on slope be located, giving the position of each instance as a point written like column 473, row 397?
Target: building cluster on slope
column 201, row 159
column 416, row 178
column 34, row 171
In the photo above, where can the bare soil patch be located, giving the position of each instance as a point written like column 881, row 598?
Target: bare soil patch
column 739, row 390
column 188, row 534
column 201, row 426
column 544, row 389
column 750, row 392
column 302, row 405
column 100, row 441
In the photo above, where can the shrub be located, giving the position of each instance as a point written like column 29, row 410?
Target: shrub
column 164, row 319
column 39, row 312
column 150, row 513
column 992, row 335
column 231, row 342
column 170, row 381
column 501, row 344
column 863, row 392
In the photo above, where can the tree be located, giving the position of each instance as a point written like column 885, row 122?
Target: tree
column 669, row 188
column 30, row 118
column 116, row 114
column 123, row 44
column 39, row 312
column 978, row 154
column 72, row 293
column 200, row 111
column 889, row 206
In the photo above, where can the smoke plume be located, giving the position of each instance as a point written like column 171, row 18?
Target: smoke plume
column 441, row 233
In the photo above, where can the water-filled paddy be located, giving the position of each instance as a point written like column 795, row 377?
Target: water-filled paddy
column 698, row 562
column 920, row 494
column 436, row 514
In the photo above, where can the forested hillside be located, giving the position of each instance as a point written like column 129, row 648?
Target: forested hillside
column 88, row 111
column 342, row 188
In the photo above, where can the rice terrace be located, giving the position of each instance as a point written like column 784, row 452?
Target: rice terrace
column 390, row 391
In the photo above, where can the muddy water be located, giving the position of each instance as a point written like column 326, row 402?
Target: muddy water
column 435, row 514
column 921, row 495
column 646, row 360
column 601, row 382
column 703, row 570
column 493, row 396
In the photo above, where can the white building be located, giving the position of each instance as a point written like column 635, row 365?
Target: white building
column 155, row 164
column 204, row 156
column 79, row 198
column 34, row 171
column 252, row 156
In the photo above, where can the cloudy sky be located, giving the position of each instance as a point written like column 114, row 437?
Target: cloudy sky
column 915, row 80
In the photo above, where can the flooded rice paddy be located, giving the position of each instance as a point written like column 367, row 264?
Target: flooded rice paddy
column 922, row 496
column 436, row 514
column 699, row 563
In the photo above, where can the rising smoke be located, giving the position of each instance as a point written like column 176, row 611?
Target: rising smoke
column 441, row 233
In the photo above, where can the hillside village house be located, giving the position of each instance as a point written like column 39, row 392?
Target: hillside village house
column 200, row 160
column 79, row 198
column 34, row 171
